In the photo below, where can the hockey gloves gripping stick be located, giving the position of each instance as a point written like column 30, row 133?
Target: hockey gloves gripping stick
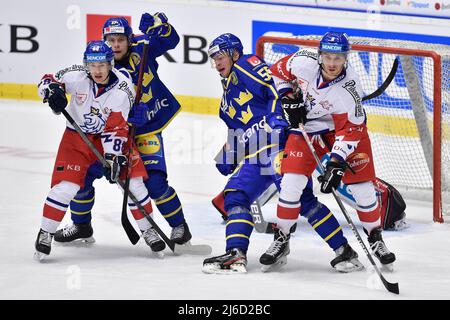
column 294, row 111
column 116, row 162
column 55, row 95
column 332, row 176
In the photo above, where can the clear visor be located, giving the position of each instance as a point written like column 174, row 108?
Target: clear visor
column 99, row 66
column 331, row 57
column 214, row 53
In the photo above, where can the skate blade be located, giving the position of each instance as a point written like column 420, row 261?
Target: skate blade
column 276, row 266
column 195, row 249
column 158, row 254
column 39, row 256
column 82, row 242
column 387, row 267
column 216, row 269
column 349, row 266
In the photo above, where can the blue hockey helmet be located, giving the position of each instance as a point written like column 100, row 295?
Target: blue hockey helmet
column 116, row 26
column 225, row 43
column 98, row 51
column 334, row 42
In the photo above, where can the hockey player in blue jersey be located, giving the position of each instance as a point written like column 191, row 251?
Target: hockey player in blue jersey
column 155, row 111
column 252, row 111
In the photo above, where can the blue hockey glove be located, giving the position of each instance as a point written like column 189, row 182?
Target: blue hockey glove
column 226, row 160
column 116, row 162
column 275, row 123
column 55, row 95
column 332, row 177
column 152, row 25
column 225, row 169
column 138, row 115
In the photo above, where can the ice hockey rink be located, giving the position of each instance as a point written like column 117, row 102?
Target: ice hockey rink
column 112, row 268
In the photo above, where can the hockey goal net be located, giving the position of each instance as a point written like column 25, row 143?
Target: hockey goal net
column 409, row 123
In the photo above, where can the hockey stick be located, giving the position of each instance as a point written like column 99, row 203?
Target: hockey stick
column 131, row 233
column 200, row 249
column 391, row 287
column 261, row 225
column 385, row 84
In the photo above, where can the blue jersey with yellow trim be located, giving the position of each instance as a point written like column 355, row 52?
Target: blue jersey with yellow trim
column 163, row 105
column 249, row 95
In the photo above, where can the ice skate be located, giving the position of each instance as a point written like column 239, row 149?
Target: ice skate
column 153, row 240
column 181, row 234
column 75, row 233
column 234, row 261
column 380, row 250
column 276, row 255
column 346, row 260
column 43, row 245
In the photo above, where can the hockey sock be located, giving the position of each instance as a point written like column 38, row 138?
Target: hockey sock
column 138, row 189
column 239, row 228
column 165, row 197
column 81, row 205
column 56, row 204
column 367, row 205
column 370, row 219
column 287, row 217
column 288, row 207
column 170, row 207
column 141, row 220
column 325, row 224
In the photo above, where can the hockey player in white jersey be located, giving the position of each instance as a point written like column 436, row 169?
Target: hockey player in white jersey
column 321, row 91
column 101, row 100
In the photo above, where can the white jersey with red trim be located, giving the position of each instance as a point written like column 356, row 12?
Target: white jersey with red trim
column 97, row 109
column 334, row 105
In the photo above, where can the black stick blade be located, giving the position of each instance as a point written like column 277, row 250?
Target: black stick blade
column 391, row 287
column 129, row 229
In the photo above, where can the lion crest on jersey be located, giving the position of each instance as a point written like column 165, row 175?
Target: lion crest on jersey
column 93, row 121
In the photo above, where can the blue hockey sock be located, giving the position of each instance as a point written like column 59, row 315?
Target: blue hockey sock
column 325, row 224
column 170, row 207
column 81, row 206
column 239, row 228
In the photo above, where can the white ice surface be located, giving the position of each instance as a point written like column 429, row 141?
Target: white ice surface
column 114, row 269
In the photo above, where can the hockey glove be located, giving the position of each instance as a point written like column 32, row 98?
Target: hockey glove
column 116, row 162
column 55, row 95
column 225, row 169
column 332, row 177
column 226, row 160
column 276, row 124
column 152, row 25
column 294, row 111
column 138, row 115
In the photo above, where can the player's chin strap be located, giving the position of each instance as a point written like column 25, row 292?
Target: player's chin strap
column 391, row 287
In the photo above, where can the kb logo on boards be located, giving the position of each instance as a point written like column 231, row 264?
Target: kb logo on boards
column 22, row 38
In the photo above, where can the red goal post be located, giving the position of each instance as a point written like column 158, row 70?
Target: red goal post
column 426, row 69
